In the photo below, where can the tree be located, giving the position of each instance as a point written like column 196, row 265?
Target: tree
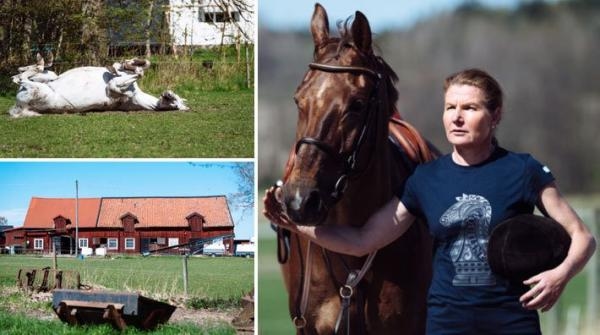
column 232, row 13
column 244, row 197
column 90, row 32
column 3, row 221
column 244, row 174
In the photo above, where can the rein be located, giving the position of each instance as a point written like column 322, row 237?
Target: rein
column 348, row 160
column 346, row 291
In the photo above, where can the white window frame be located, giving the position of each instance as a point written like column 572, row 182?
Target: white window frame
column 173, row 241
column 132, row 239
column 81, row 244
column 108, row 240
column 41, row 244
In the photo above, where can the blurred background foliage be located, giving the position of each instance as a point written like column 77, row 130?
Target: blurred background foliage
column 545, row 55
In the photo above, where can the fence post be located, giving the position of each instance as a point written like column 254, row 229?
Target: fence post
column 247, row 68
column 185, row 275
column 593, row 291
column 54, row 262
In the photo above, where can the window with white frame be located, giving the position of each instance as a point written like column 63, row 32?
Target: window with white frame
column 113, row 243
column 130, row 243
column 38, row 243
column 173, row 241
column 83, row 242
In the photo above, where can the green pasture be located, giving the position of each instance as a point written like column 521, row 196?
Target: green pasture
column 18, row 324
column 218, row 124
column 273, row 312
column 222, row 278
column 213, row 282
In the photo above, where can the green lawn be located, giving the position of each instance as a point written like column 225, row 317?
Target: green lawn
column 218, row 125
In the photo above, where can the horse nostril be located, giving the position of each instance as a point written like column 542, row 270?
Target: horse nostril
column 313, row 203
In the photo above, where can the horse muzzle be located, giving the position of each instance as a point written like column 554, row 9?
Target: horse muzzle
column 304, row 204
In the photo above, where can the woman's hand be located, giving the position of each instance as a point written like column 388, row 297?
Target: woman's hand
column 273, row 209
column 546, row 289
column 548, row 285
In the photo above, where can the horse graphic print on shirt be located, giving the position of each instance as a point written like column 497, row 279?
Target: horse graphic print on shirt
column 470, row 216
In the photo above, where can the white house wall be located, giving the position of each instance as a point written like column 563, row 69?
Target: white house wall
column 187, row 29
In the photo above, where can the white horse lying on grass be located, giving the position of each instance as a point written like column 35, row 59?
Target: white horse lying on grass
column 90, row 89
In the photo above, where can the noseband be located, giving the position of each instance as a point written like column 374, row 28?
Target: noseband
column 348, row 160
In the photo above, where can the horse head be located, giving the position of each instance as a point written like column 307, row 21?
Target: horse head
column 171, row 101
column 343, row 107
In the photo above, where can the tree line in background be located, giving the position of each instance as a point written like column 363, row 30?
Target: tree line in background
column 88, row 32
column 544, row 55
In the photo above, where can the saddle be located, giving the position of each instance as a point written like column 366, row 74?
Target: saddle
column 409, row 142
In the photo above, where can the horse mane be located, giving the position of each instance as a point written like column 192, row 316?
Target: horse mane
column 346, row 40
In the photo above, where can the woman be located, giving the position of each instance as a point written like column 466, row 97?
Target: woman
column 462, row 196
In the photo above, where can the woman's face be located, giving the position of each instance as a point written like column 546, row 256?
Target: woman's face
column 467, row 121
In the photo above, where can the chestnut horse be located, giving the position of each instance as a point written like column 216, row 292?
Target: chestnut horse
column 342, row 169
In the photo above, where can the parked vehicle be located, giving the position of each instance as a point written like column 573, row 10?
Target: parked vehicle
column 214, row 249
column 245, row 250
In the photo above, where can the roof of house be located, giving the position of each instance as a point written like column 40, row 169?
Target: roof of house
column 150, row 212
column 154, row 212
column 42, row 211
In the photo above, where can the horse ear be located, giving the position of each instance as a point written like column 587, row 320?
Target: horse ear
column 50, row 60
column 39, row 60
column 361, row 33
column 319, row 25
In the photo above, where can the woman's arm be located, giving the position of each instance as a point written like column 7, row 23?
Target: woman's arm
column 548, row 285
column 382, row 228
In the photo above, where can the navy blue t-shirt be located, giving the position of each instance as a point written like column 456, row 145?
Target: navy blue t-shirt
column 462, row 204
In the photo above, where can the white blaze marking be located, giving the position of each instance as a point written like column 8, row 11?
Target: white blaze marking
column 295, row 204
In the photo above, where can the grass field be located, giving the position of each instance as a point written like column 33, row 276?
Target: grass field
column 273, row 312
column 222, row 278
column 219, row 124
column 18, row 324
column 213, row 282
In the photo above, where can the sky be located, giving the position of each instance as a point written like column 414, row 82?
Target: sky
column 19, row 181
column 382, row 14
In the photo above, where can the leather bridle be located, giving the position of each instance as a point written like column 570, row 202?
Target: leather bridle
column 347, row 160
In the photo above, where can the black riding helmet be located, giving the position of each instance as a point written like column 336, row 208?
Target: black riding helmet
column 525, row 245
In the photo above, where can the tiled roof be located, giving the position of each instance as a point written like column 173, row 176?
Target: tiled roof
column 154, row 212
column 151, row 212
column 42, row 211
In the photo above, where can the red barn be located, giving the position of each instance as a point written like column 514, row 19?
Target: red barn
column 122, row 224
